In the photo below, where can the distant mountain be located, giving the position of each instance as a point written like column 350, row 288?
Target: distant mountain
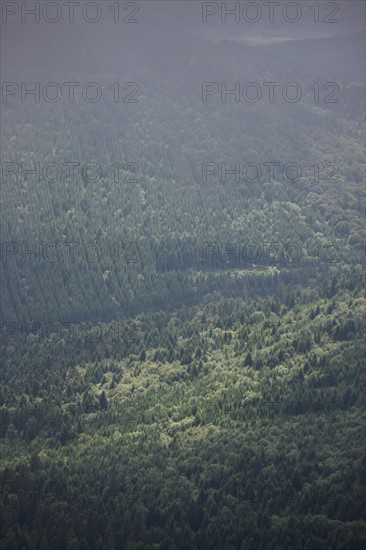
column 341, row 56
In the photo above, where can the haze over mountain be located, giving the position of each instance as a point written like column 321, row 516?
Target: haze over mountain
column 169, row 211
column 182, row 352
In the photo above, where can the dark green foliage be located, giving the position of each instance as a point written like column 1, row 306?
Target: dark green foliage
column 183, row 400
column 247, row 441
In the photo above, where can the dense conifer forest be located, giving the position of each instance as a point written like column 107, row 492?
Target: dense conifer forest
column 182, row 291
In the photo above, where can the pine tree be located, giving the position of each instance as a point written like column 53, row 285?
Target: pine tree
column 103, row 402
column 248, row 360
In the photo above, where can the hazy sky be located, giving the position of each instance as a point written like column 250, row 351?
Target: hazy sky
column 32, row 46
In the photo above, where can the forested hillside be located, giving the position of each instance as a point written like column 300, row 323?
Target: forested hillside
column 126, row 196
column 182, row 288
column 238, row 424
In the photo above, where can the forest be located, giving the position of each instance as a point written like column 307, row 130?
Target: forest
column 182, row 288
column 120, row 210
column 234, row 424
